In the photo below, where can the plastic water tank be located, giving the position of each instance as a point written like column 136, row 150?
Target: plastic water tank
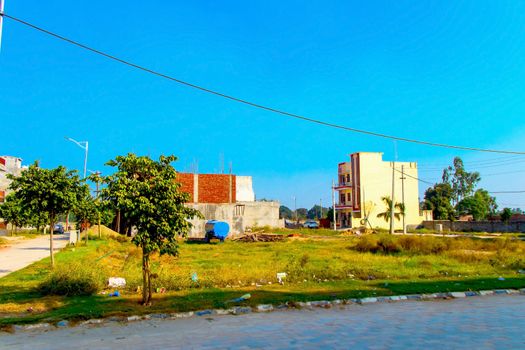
column 217, row 229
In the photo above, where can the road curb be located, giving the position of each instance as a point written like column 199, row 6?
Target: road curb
column 264, row 308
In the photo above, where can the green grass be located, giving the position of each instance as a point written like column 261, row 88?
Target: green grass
column 320, row 232
column 317, row 269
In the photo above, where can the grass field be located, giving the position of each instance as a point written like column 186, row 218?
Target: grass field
column 317, row 268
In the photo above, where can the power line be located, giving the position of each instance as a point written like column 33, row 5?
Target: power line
column 506, row 191
column 415, row 178
column 253, row 104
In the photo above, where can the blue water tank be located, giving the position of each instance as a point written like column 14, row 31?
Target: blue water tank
column 217, row 229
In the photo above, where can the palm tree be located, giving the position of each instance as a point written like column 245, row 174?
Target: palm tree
column 388, row 213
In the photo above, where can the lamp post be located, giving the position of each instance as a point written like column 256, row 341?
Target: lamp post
column 85, row 146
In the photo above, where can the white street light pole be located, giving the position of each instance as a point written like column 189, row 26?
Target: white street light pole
column 85, row 146
column 1, row 20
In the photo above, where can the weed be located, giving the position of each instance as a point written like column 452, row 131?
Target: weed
column 76, row 279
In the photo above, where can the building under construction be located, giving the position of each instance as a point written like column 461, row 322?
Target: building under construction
column 229, row 198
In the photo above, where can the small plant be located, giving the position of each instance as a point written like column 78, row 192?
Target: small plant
column 76, row 280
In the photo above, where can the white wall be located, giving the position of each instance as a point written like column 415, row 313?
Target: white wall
column 244, row 189
column 239, row 216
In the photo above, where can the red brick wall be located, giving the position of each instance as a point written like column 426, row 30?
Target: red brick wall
column 186, row 181
column 213, row 188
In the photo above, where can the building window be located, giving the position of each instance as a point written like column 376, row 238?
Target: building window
column 342, row 198
column 342, row 179
column 348, row 178
column 349, row 197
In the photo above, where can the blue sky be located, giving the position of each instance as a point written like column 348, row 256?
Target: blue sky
column 443, row 71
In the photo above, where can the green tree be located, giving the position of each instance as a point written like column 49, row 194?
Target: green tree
column 302, row 213
column 386, row 215
column 85, row 210
column 285, row 212
column 315, row 212
column 480, row 205
column 438, row 199
column 147, row 193
column 11, row 212
column 51, row 191
column 330, row 214
column 461, row 181
column 506, row 214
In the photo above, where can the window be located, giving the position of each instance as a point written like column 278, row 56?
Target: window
column 349, row 197
column 347, row 177
column 342, row 198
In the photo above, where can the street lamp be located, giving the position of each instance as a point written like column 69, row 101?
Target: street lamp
column 84, row 146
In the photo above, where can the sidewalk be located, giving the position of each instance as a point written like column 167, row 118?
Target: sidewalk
column 26, row 252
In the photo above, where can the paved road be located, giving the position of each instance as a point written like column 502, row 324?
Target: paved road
column 26, row 252
column 491, row 322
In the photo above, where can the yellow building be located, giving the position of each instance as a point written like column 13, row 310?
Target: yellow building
column 365, row 180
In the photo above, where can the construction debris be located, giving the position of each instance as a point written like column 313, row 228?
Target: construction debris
column 259, row 237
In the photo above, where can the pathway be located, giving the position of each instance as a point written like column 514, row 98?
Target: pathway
column 26, row 252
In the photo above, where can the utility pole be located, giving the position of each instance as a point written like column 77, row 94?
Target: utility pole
column 403, row 197
column 295, row 209
column 97, row 196
column 1, row 20
column 320, row 208
column 333, row 206
column 392, row 198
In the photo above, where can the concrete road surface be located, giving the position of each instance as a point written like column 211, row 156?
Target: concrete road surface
column 26, row 252
column 490, row 322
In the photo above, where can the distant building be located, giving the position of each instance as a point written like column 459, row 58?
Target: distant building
column 364, row 180
column 8, row 165
column 227, row 198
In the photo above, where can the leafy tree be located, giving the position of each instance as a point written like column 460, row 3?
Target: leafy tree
column 506, row 214
column 85, row 209
column 51, row 191
column 462, row 182
column 480, row 205
column 438, row 199
column 302, row 213
column 388, row 213
column 147, row 193
column 315, row 212
column 12, row 213
column 330, row 214
column 285, row 212
column 38, row 220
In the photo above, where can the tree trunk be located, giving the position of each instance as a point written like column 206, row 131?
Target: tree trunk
column 51, row 228
column 146, row 279
column 84, row 227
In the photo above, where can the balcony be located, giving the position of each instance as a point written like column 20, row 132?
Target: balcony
column 342, row 186
column 343, row 206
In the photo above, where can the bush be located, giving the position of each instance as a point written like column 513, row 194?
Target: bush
column 74, row 280
column 422, row 245
column 382, row 243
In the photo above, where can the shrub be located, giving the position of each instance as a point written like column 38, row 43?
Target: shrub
column 382, row 243
column 76, row 279
column 367, row 244
column 422, row 245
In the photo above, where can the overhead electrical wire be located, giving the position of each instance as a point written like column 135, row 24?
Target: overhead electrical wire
column 254, row 104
